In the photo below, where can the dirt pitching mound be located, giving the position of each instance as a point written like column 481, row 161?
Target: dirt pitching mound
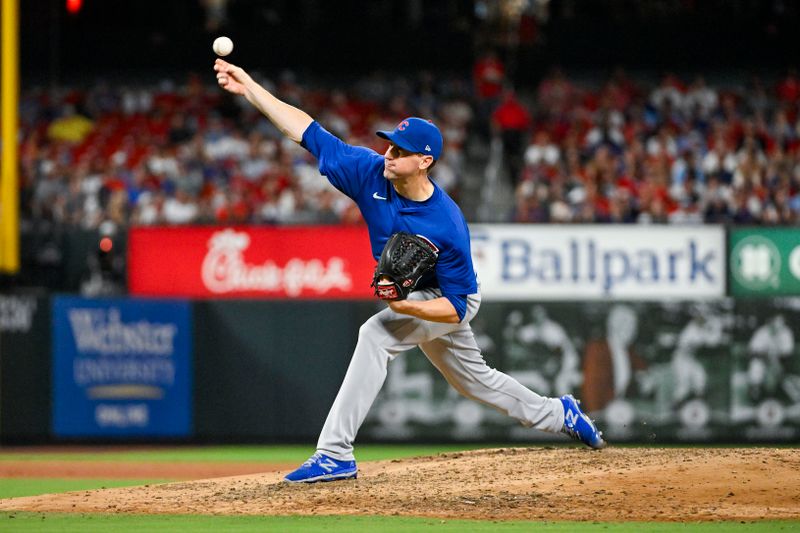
column 615, row 484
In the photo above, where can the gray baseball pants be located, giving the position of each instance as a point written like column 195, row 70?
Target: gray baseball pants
column 452, row 350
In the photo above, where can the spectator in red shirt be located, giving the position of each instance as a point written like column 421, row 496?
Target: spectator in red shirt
column 488, row 74
column 488, row 77
column 789, row 88
column 512, row 121
column 556, row 94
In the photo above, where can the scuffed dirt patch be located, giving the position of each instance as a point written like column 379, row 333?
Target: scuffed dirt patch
column 539, row 483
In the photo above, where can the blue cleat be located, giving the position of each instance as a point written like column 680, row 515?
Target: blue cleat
column 320, row 467
column 579, row 426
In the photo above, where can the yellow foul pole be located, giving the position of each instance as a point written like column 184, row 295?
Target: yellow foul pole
column 9, row 181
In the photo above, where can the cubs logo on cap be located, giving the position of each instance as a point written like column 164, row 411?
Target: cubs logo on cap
column 416, row 135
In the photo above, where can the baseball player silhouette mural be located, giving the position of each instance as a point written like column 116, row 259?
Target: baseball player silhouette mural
column 425, row 275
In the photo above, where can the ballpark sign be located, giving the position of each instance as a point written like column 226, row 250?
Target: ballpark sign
column 247, row 262
column 593, row 262
column 765, row 262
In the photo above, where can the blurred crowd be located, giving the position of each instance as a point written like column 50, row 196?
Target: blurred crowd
column 611, row 150
column 673, row 152
column 190, row 154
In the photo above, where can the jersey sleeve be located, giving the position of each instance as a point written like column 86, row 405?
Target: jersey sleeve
column 456, row 279
column 459, row 301
column 345, row 166
column 454, row 271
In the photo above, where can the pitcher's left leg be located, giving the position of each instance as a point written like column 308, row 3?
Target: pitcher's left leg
column 458, row 357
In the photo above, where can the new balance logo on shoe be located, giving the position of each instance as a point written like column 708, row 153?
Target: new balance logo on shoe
column 327, row 464
column 377, row 196
column 571, row 417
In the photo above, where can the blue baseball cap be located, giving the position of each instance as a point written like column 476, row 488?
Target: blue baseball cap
column 416, row 135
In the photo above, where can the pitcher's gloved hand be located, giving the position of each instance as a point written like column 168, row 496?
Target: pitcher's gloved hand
column 404, row 260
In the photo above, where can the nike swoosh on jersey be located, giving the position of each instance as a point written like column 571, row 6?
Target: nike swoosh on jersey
column 377, row 196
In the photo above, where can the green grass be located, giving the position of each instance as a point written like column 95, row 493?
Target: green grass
column 271, row 453
column 16, row 487
column 256, row 454
column 345, row 524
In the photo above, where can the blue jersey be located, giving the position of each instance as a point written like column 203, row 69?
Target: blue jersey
column 358, row 173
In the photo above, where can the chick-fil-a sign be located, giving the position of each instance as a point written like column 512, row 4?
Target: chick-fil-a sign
column 250, row 262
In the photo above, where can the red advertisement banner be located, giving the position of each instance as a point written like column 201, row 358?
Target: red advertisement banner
column 250, row 262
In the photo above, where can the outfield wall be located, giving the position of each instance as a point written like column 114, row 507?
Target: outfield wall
column 253, row 371
column 566, row 309
column 25, row 368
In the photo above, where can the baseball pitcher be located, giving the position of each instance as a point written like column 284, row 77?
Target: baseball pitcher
column 425, row 274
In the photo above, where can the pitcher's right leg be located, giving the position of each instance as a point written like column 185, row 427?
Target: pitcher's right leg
column 361, row 385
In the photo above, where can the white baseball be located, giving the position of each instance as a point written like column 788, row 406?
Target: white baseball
column 222, row 46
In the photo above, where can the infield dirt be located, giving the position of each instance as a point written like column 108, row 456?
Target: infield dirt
column 540, row 483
